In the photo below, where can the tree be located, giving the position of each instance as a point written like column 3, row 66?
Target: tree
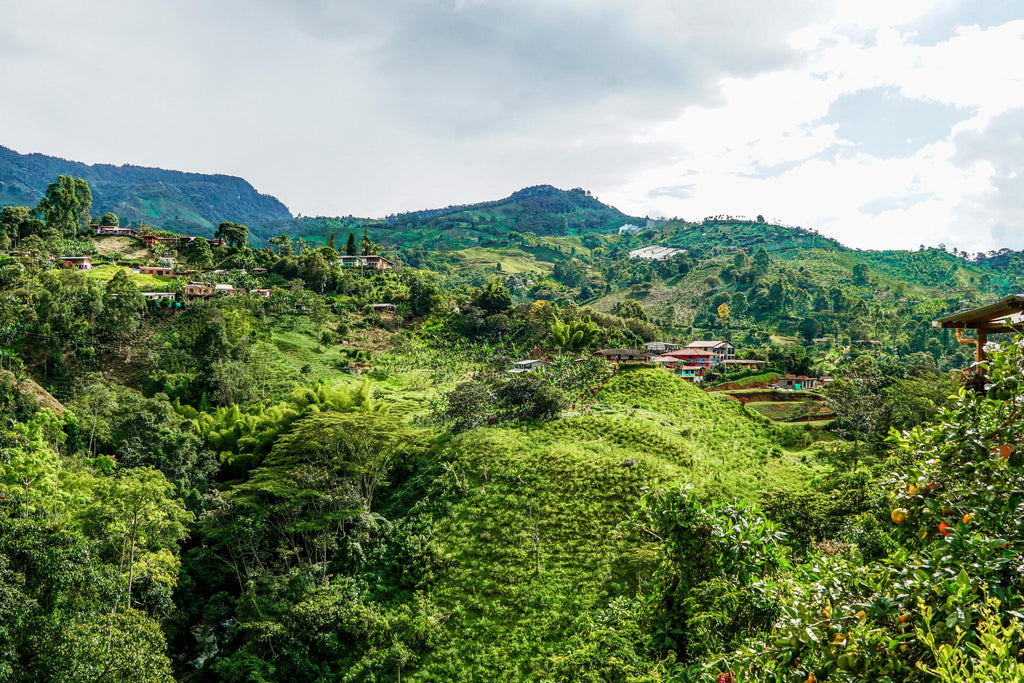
column 761, row 258
column 110, row 219
column 368, row 246
column 531, row 398
column 468, row 405
column 705, row 595
column 350, row 246
column 123, row 306
column 235, row 235
column 283, row 242
column 575, row 335
column 361, row 447
column 856, row 403
column 318, row 313
column 810, row 328
column 330, row 241
column 200, row 254
column 423, row 296
column 630, row 308
column 140, row 518
column 315, row 268
column 17, row 223
column 723, row 314
column 65, row 206
column 494, row 297
column 860, row 274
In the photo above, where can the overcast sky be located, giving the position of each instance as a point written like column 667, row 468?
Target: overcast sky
column 884, row 124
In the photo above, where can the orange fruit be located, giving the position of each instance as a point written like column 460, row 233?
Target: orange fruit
column 899, row 516
column 945, row 529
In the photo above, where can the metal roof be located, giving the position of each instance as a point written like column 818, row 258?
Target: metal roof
column 1005, row 315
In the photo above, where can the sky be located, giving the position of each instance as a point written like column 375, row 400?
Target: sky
column 882, row 124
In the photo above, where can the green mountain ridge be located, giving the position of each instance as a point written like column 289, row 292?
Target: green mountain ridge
column 171, row 200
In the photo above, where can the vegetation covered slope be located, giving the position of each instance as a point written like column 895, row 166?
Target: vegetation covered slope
column 530, row 535
column 173, row 200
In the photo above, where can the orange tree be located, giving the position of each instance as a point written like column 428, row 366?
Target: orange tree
column 957, row 498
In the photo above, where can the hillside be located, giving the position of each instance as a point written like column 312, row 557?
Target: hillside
column 541, row 210
column 170, row 200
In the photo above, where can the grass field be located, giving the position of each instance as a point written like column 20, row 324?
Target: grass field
column 145, row 283
column 512, row 259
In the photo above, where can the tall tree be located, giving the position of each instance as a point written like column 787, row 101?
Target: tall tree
column 122, row 308
column 350, row 247
column 65, row 207
column 17, row 223
column 494, row 297
column 330, row 241
column 235, row 234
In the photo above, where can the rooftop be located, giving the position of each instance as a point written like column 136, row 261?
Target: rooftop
column 1005, row 315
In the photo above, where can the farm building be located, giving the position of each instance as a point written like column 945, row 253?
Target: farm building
column 623, row 355
column 371, row 262
column 699, row 357
column 76, row 262
column 164, row 271
column 529, row 365
column 799, row 383
column 723, row 350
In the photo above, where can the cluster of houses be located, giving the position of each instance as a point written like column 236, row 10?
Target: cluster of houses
column 201, row 291
column 690, row 362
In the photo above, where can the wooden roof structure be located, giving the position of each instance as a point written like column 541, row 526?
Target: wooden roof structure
column 1003, row 316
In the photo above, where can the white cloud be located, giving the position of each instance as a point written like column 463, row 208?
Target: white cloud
column 658, row 107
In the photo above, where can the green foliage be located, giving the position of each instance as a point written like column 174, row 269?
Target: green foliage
column 234, row 234
column 576, row 335
column 468, row 405
column 958, row 486
column 494, row 297
column 65, row 206
column 709, row 591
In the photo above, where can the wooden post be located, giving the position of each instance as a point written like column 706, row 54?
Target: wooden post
column 979, row 354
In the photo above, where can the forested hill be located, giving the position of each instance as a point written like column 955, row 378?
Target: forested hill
column 542, row 210
column 171, row 200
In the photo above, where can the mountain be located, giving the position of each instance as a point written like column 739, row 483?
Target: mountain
column 542, row 210
column 170, row 200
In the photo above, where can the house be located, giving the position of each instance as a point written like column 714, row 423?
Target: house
column 227, row 290
column 262, row 293
column 799, row 383
column 196, row 291
column 699, row 357
column 377, row 263
column 385, row 307
column 660, row 347
column 163, row 271
column 687, row 371
column 76, row 262
column 529, row 365
column 623, row 355
column 370, row 262
column 115, row 230
column 723, row 350
column 162, row 299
